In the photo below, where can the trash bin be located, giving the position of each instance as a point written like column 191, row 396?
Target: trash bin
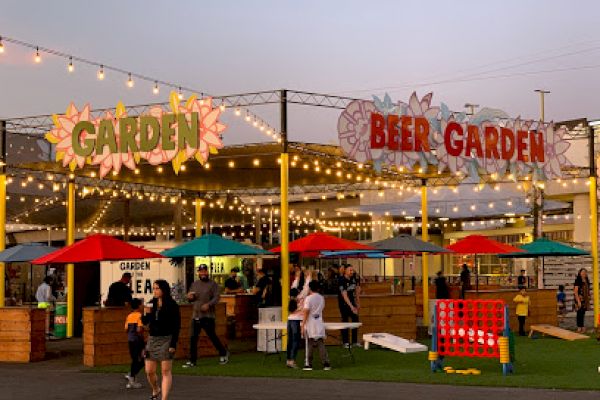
column 60, row 320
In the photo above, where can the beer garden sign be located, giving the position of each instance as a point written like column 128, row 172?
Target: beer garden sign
column 405, row 135
column 190, row 130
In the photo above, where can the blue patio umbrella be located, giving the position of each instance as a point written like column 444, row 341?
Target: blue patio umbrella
column 212, row 246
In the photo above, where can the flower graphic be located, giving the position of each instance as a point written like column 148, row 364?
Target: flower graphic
column 62, row 134
column 555, row 148
column 354, row 131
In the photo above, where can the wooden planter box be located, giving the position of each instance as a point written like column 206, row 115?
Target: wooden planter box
column 105, row 340
column 22, row 334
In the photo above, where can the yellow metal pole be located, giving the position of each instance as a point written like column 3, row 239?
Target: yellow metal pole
column 2, row 233
column 285, row 255
column 198, row 218
column 594, row 240
column 283, row 213
column 70, row 267
column 425, row 257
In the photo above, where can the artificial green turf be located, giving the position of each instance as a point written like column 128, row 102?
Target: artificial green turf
column 541, row 363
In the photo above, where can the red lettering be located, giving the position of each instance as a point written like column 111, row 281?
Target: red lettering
column 473, row 141
column 377, row 131
column 406, row 134
column 522, row 146
column 536, row 146
column 393, row 133
column 507, row 138
column 421, row 134
column 491, row 142
column 453, row 147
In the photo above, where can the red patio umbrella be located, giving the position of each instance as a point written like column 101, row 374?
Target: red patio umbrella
column 478, row 244
column 96, row 248
column 313, row 244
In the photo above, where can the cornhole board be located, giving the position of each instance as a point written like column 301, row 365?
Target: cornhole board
column 392, row 342
column 555, row 331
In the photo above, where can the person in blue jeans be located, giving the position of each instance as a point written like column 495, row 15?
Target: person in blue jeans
column 293, row 328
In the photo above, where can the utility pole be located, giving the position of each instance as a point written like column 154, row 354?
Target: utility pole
column 538, row 199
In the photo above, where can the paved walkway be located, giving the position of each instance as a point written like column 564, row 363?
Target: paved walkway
column 61, row 377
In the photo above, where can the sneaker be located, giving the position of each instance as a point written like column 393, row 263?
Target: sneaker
column 189, row 364
column 326, row 367
column 155, row 396
column 224, row 359
column 346, row 345
column 308, row 368
column 292, row 365
column 356, row 345
column 127, row 377
column 134, row 385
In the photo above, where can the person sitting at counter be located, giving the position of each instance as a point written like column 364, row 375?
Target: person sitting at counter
column 232, row 284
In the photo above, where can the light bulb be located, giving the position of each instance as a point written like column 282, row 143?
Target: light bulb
column 70, row 67
column 180, row 94
column 130, row 81
column 155, row 89
column 101, row 73
column 1, row 46
column 37, row 58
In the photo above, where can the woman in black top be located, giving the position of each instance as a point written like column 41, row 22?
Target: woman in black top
column 165, row 321
column 581, row 288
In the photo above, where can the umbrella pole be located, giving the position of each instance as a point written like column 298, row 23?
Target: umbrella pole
column 403, row 263
column 476, row 274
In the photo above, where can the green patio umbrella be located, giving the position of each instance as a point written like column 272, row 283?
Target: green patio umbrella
column 543, row 247
column 212, row 246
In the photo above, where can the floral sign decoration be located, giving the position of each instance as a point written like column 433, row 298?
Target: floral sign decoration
column 416, row 133
column 190, row 129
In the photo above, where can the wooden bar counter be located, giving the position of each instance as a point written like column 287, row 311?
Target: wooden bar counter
column 105, row 340
column 387, row 313
column 22, row 334
column 542, row 305
column 242, row 309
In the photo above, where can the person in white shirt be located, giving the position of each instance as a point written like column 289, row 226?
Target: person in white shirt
column 313, row 327
column 45, row 298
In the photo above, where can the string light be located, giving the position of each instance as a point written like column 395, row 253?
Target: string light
column 179, row 93
column 1, row 46
column 155, row 89
column 101, row 73
column 130, row 81
column 70, row 66
column 37, row 58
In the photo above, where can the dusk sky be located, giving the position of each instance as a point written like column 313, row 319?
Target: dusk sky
column 489, row 53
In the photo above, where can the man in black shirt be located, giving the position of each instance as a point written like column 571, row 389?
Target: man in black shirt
column 349, row 303
column 262, row 289
column 522, row 280
column 232, row 284
column 119, row 293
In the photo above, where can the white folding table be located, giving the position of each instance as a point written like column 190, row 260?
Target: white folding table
column 275, row 326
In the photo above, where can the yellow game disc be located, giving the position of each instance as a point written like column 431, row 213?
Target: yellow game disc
column 447, row 368
column 450, row 371
column 460, row 371
column 476, row 372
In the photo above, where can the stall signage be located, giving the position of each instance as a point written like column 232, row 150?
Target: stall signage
column 112, row 141
column 143, row 274
column 412, row 134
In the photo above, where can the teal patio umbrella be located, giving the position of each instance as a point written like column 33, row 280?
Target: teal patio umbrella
column 543, row 247
column 212, row 246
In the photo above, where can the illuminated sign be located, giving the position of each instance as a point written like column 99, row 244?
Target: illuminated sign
column 407, row 134
column 191, row 130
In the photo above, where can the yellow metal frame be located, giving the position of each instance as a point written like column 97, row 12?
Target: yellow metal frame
column 594, row 241
column 425, row 257
column 198, row 216
column 70, row 267
column 2, row 235
column 285, row 254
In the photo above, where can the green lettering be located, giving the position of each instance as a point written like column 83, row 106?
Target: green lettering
column 187, row 134
column 149, row 141
column 127, row 131
column 88, row 149
column 166, row 135
column 106, row 136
